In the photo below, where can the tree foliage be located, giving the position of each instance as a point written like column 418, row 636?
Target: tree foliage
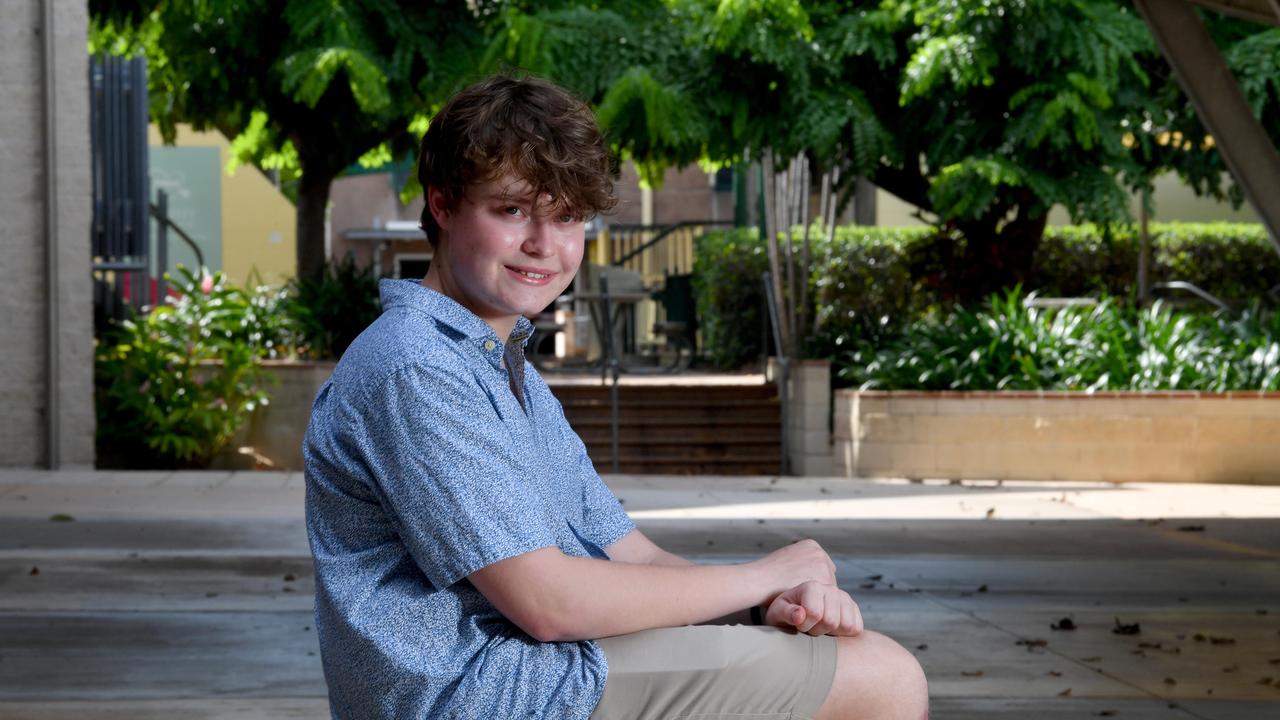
column 983, row 113
column 304, row 87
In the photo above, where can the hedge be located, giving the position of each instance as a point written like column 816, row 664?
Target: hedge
column 870, row 283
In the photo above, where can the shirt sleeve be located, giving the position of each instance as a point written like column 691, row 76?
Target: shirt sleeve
column 449, row 473
column 604, row 520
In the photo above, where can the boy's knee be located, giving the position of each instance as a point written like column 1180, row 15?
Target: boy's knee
column 886, row 680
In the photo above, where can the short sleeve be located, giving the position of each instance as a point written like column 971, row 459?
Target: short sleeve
column 450, row 474
column 604, row 520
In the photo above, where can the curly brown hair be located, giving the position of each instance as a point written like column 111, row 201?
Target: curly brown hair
column 523, row 126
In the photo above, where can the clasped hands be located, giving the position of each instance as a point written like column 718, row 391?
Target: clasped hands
column 815, row 608
column 808, row 598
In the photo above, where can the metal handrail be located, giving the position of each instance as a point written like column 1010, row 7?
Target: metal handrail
column 784, row 373
column 1194, row 290
column 664, row 233
column 164, row 218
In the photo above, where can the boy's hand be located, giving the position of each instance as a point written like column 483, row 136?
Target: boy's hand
column 795, row 564
column 816, row 609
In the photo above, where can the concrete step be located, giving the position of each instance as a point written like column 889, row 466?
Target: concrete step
column 680, row 429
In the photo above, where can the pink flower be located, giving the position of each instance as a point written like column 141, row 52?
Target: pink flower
column 206, row 284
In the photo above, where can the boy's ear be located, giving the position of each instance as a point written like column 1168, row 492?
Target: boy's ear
column 439, row 206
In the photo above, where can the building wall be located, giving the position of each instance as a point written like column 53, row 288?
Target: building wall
column 1173, row 199
column 24, row 293
column 256, row 224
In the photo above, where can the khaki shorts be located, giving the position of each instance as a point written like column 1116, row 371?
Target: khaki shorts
column 706, row 672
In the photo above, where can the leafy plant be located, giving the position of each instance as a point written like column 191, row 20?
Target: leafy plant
column 330, row 311
column 175, row 384
column 869, row 283
column 1012, row 345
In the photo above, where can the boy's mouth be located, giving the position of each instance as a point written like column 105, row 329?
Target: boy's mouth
column 530, row 275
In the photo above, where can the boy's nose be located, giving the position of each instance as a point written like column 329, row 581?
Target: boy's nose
column 539, row 241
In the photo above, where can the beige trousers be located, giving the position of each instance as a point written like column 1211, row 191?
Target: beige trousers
column 716, row 672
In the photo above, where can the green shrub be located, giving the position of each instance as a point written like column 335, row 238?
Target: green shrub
column 1009, row 346
column 871, row 282
column 174, row 385
column 331, row 311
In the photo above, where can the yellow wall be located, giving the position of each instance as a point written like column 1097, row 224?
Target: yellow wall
column 1173, row 199
column 258, row 222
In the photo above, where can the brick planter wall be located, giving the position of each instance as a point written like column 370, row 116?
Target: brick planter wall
column 276, row 430
column 1117, row 437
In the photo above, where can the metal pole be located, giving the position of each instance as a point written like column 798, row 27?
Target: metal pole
column 784, row 373
column 1203, row 73
column 52, row 370
column 611, row 363
column 1144, row 252
column 162, row 247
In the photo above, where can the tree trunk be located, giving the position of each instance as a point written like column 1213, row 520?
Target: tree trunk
column 997, row 260
column 313, row 198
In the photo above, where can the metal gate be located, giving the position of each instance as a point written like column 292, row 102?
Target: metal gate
column 121, row 208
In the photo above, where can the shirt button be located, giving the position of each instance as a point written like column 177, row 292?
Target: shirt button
column 489, row 345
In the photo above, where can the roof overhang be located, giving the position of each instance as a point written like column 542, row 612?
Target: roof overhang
column 1261, row 11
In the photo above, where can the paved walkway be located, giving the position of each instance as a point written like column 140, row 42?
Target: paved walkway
column 188, row 595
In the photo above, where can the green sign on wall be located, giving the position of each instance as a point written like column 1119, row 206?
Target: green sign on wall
column 192, row 176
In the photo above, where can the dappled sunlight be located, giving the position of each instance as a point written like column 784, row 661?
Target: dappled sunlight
column 837, row 499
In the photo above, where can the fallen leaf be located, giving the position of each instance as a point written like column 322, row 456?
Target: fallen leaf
column 1032, row 643
column 1065, row 623
column 1055, row 673
column 34, row 570
column 1230, row 668
column 922, row 646
column 286, row 588
column 1261, row 611
column 1106, row 713
column 1065, row 693
column 1143, row 653
column 1126, row 628
column 1274, row 661
column 975, row 673
column 1170, row 681
column 1191, row 528
column 1149, row 645
column 289, row 578
column 867, row 586
column 876, row 577
column 61, row 517
column 1199, row 637
column 1265, row 681
column 991, row 513
column 1094, row 658
column 982, row 588
column 1221, row 640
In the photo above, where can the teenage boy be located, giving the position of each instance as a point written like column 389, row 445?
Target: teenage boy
column 469, row 561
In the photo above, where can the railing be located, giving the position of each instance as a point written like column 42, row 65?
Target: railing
column 118, row 158
column 654, row 251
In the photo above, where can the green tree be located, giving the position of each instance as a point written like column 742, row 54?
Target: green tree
column 983, row 113
column 304, row 87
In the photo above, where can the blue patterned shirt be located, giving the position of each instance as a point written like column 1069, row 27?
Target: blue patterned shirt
column 422, row 468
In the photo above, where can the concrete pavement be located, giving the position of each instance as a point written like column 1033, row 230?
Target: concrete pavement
column 162, row 595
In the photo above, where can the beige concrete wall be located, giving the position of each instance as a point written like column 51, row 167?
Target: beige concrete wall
column 807, row 416
column 1174, row 201
column 275, row 431
column 1116, row 437
column 259, row 224
column 24, row 293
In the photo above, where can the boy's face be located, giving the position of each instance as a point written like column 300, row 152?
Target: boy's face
column 503, row 252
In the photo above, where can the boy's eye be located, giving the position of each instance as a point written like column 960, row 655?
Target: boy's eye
column 511, row 210
column 567, row 218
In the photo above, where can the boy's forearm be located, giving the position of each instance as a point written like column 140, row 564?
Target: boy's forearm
column 738, row 617
column 602, row 598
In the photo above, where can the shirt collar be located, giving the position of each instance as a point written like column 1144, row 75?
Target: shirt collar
column 449, row 312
